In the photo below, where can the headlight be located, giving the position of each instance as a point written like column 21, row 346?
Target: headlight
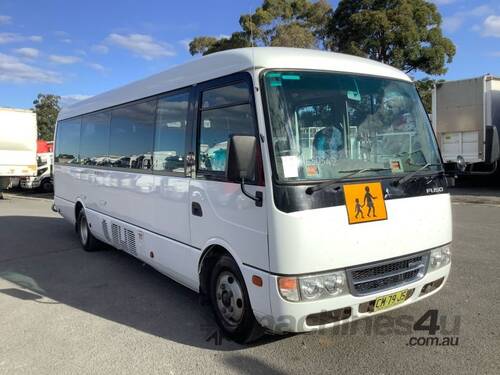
column 440, row 257
column 310, row 288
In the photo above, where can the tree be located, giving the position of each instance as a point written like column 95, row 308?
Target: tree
column 403, row 33
column 206, row 44
column 47, row 108
column 285, row 23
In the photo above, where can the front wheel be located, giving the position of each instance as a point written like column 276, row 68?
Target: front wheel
column 46, row 186
column 231, row 304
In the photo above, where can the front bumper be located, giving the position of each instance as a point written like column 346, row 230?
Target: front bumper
column 295, row 316
column 29, row 184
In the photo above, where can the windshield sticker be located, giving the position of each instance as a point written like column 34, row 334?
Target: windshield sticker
column 365, row 202
column 396, row 166
column 312, row 170
column 294, row 77
column 290, row 166
column 353, row 95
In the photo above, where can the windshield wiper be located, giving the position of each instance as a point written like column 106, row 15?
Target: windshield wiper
column 409, row 176
column 353, row 172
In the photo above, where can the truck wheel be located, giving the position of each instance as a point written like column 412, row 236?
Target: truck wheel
column 230, row 302
column 46, row 186
column 88, row 241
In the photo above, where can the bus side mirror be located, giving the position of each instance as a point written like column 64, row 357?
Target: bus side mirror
column 241, row 157
column 241, row 161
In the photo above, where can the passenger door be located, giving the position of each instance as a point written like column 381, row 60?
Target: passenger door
column 220, row 212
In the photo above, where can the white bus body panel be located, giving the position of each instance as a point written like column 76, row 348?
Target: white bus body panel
column 18, row 133
column 322, row 239
column 230, row 219
column 147, row 214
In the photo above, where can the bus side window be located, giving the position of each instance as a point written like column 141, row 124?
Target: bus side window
column 68, row 141
column 170, row 137
column 225, row 111
column 94, row 140
column 131, row 135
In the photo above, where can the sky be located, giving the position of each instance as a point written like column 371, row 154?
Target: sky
column 77, row 49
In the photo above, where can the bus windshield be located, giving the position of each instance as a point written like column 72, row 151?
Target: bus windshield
column 327, row 125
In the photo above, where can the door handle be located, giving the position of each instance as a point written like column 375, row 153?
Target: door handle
column 196, row 209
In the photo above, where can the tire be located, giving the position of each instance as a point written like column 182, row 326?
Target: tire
column 46, row 186
column 231, row 304
column 87, row 240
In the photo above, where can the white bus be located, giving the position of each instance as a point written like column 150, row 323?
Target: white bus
column 295, row 189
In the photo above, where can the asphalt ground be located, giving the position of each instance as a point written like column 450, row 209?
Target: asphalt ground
column 65, row 311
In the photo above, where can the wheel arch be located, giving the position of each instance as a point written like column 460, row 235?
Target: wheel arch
column 209, row 257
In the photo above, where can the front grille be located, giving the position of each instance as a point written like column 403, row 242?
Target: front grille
column 385, row 275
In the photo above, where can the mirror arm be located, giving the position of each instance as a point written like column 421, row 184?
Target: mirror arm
column 258, row 195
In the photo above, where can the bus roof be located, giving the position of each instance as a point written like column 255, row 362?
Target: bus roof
column 227, row 62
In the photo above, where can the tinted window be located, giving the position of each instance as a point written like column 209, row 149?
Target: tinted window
column 68, row 141
column 215, row 127
column 94, row 141
column 131, row 136
column 227, row 95
column 170, row 137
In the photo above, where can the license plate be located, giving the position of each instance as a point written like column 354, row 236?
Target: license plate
column 384, row 302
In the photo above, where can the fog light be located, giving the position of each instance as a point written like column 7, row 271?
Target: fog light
column 327, row 317
column 429, row 287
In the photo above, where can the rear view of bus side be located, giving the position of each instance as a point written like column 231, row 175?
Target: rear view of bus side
column 295, row 189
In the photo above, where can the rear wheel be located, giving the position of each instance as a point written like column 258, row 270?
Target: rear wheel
column 88, row 241
column 231, row 304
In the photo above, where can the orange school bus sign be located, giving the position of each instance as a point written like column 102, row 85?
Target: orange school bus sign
column 365, row 202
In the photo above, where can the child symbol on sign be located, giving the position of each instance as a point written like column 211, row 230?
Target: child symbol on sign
column 368, row 201
column 358, row 209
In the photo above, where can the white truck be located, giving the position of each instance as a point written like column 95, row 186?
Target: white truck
column 18, row 134
column 466, row 120
column 44, row 176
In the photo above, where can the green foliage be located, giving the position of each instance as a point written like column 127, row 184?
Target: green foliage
column 47, row 108
column 206, row 44
column 201, row 45
column 293, row 35
column 403, row 33
column 285, row 23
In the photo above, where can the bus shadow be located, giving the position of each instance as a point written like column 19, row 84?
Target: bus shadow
column 41, row 259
